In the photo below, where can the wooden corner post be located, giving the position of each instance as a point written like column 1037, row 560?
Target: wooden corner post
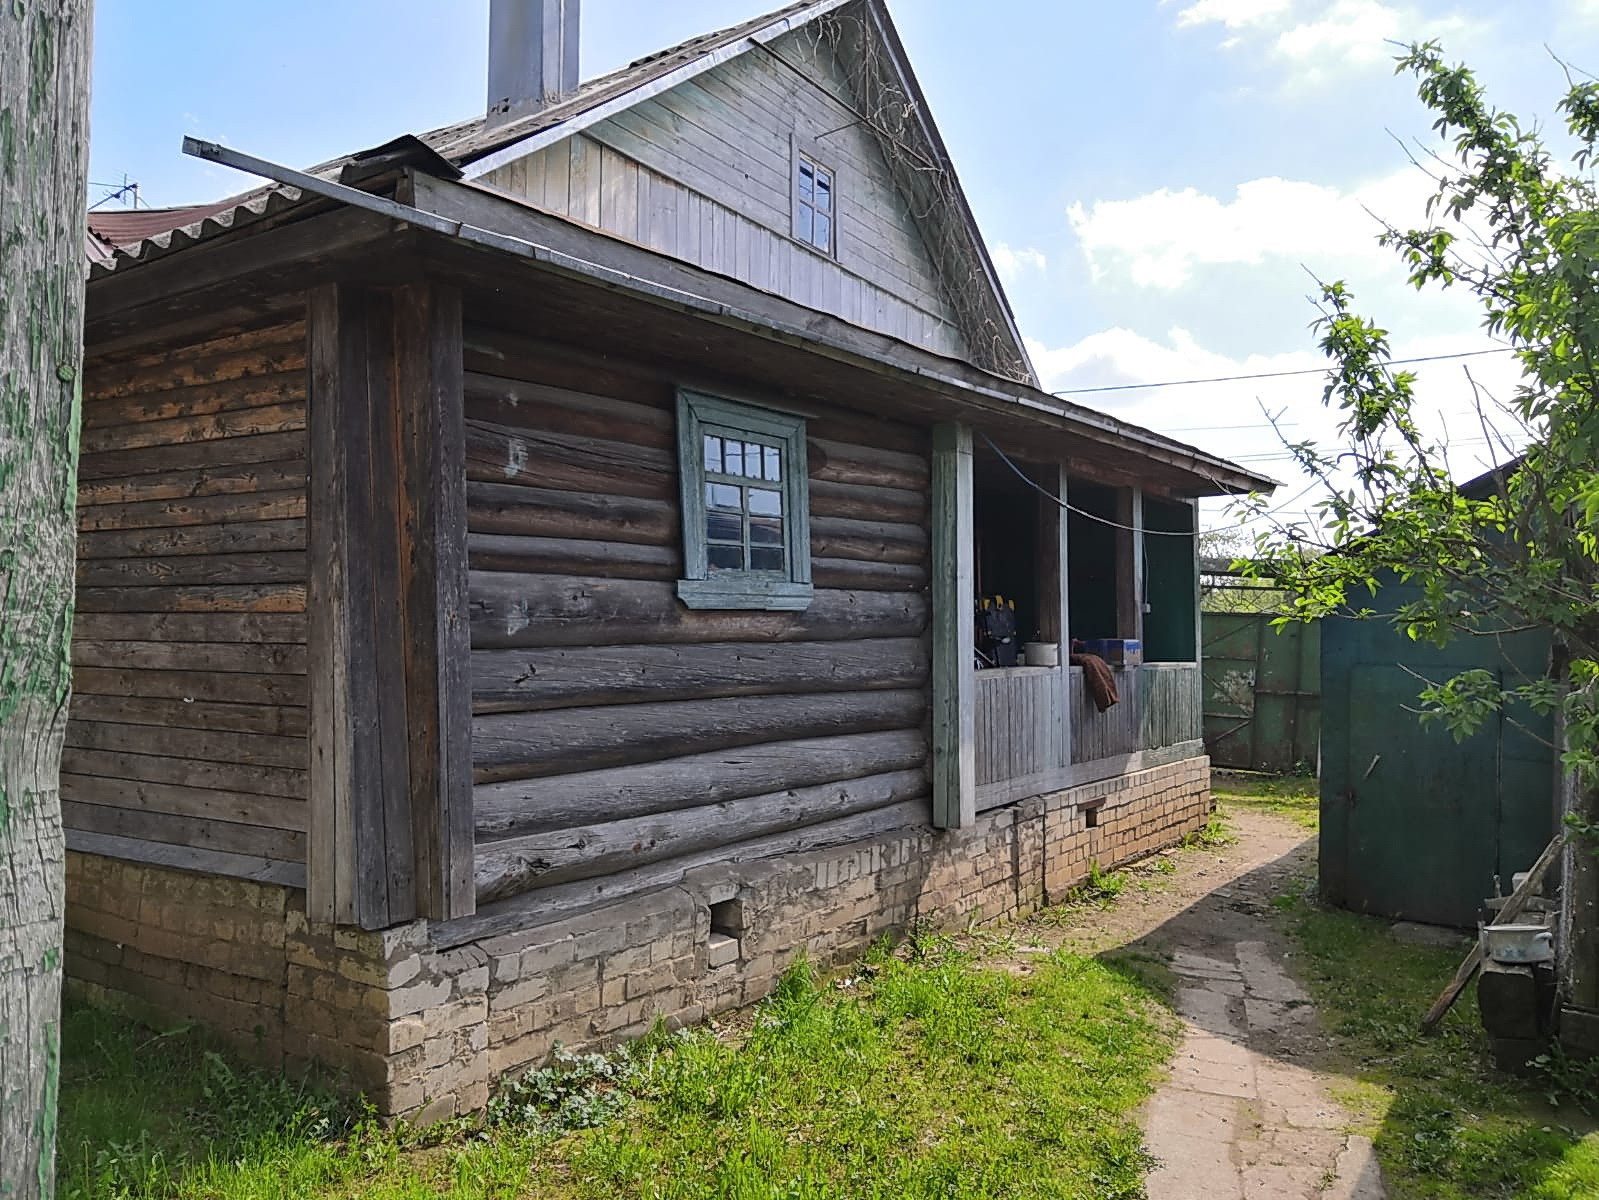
column 954, row 640
column 390, row 722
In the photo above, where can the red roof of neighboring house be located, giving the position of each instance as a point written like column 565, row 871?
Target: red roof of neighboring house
column 123, row 227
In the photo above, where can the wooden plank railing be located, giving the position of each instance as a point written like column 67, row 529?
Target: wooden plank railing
column 1037, row 729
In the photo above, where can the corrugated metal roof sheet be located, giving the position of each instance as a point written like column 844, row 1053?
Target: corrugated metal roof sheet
column 199, row 222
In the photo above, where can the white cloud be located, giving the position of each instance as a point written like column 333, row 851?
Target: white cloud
column 1234, row 14
column 1329, row 37
column 1012, row 264
column 1159, row 239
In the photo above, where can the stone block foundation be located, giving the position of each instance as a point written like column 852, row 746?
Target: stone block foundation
column 425, row 1028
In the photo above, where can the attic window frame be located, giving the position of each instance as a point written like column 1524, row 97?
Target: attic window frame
column 699, row 417
column 804, row 153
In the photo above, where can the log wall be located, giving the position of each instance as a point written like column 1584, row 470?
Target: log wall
column 617, row 735
column 188, row 718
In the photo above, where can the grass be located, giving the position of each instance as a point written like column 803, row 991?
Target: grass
column 923, row 1073
column 1296, row 797
column 1445, row 1124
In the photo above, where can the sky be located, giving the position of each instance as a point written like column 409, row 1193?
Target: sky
column 1161, row 182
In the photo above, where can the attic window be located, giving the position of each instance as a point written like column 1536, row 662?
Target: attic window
column 815, row 203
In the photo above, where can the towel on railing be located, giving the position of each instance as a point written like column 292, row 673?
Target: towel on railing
column 1099, row 678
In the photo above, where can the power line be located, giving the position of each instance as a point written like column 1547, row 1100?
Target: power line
column 1045, row 492
column 1130, row 387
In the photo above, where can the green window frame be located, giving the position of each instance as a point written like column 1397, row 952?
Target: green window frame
column 746, row 506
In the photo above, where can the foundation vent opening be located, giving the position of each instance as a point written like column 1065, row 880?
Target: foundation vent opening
column 727, row 932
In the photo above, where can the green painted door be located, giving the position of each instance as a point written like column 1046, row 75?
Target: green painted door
column 1422, row 813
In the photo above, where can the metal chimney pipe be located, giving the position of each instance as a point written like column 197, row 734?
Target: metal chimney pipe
column 532, row 55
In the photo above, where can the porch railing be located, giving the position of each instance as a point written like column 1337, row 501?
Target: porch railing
column 1037, row 729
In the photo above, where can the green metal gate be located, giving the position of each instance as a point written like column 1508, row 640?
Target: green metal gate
column 1262, row 692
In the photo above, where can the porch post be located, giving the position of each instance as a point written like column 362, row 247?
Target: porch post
column 954, row 635
column 390, row 822
column 1069, row 697
column 1130, row 563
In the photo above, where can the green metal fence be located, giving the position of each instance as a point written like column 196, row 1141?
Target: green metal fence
column 1262, row 692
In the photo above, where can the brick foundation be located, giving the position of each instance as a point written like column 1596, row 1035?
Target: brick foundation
column 424, row 1031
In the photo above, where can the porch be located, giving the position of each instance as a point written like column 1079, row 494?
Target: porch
column 1037, row 730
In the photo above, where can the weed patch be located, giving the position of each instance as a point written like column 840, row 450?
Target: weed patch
column 1296, row 797
column 1446, row 1125
column 920, row 1073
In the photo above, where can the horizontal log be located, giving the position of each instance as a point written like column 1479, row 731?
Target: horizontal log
column 852, row 462
column 258, row 657
column 244, row 478
column 618, row 793
column 516, row 404
column 288, row 691
column 189, row 343
column 187, row 713
column 187, row 772
column 288, row 566
column 859, row 574
column 569, row 899
column 207, row 745
column 568, row 462
column 528, row 680
column 245, row 422
column 185, row 368
column 875, row 541
column 195, row 400
column 504, row 868
column 540, row 512
column 288, row 628
column 563, row 740
column 510, row 610
column 244, row 597
column 243, row 538
column 572, row 556
column 234, row 451
column 865, row 502
column 501, row 352
column 287, row 845
column 203, row 510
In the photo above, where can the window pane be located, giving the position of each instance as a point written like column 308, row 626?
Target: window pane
column 806, row 175
column 713, row 453
column 723, row 495
column 752, row 460
column 802, row 222
column 773, row 471
column 766, row 558
column 824, row 191
column 767, row 531
column 765, row 503
column 724, row 527
column 733, row 458
column 725, row 558
column 822, row 236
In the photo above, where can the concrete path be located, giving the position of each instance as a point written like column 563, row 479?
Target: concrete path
column 1234, row 1121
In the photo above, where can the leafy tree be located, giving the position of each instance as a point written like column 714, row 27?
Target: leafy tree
column 1521, row 234
column 44, row 137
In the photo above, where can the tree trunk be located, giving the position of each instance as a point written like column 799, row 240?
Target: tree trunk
column 44, row 100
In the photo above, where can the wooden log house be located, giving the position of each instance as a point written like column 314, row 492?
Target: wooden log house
column 527, row 572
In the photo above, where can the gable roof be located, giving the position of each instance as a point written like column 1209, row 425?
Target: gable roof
column 905, row 132
column 901, row 122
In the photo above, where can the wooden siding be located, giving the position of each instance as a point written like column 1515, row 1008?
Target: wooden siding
column 1033, row 736
column 703, row 173
column 613, row 728
column 188, row 718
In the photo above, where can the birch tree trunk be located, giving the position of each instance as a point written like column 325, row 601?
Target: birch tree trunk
column 44, row 144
